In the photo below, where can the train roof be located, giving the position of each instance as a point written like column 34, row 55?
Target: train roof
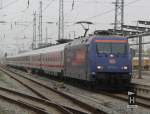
column 88, row 39
column 137, row 58
column 42, row 51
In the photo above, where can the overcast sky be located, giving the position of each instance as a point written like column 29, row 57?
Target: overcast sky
column 100, row 12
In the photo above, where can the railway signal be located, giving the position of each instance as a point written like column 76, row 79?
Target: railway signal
column 131, row 100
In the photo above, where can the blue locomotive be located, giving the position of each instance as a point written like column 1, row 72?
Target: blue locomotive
column 104, row 59
column 99, row 59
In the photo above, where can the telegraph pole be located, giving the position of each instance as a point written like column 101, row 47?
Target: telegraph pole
column 140, row 57
column 119, row 15
column 61, row 20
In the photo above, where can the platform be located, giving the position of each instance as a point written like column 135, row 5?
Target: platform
column 145, row 80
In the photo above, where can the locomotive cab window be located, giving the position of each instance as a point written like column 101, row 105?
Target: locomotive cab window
column 107, row 48
column 119, row 48
column 103, row 48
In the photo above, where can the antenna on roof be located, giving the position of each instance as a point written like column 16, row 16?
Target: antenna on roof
column 83, row 23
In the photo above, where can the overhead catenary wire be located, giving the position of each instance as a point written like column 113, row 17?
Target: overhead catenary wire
column 103, row 13
column 49, row 4
column 111, row 10
column 9, row 4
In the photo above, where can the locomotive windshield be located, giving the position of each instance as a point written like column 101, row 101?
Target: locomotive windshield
column 115, row 48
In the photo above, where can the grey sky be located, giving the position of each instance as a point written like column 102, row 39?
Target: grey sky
column 12, row 36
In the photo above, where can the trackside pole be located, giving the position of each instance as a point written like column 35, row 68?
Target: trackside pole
column 140, row 57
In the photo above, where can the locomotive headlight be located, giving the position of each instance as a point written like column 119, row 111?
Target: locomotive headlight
column 99, row 67
column 125, row 67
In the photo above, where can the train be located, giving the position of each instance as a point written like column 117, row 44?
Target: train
column 145, row 63
column 101, row 59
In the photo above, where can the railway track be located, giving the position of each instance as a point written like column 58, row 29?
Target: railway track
column 142, row 95
column 38, row 105
column 141, row 100
column 143, row 72
column 68, row 100
column 142, row 90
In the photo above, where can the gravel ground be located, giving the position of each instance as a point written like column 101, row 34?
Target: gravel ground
column 8, row 108
column 6, row 81
column 114, row 104
column 55, row 97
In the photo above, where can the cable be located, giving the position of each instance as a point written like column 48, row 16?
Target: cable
column 109, row 11
column 91, row 1
column 11, row 3
column 48, row 5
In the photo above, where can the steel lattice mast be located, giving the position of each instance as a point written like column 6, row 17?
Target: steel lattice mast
column 61, row 20
column 34, row 31
column 40, row 24
column 119, row 15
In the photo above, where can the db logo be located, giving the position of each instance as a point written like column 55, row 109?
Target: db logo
column 112, row 61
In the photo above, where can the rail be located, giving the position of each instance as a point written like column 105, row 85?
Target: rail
column 86, row 106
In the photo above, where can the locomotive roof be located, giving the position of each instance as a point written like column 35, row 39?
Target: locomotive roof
column 88, row 39
column 110, row 36
column 43, row 50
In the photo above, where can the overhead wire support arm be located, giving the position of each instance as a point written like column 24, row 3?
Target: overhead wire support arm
column 142, row 29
